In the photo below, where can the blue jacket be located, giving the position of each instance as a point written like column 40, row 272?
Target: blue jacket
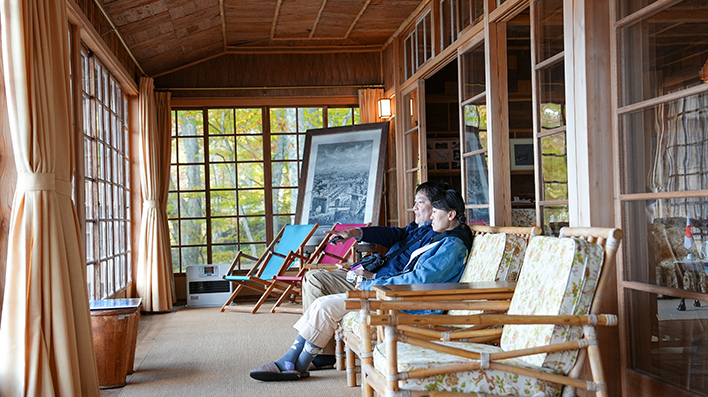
column 443, row 263
column 394, row 238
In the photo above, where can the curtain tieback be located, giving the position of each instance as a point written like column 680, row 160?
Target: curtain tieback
column 43, row 181
column 151, row 204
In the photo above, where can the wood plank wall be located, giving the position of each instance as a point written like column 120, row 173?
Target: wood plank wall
column 103, row 27
column 241, row 75
column 389, row 68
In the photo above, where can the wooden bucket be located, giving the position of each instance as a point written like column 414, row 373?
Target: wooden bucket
column 114, row 338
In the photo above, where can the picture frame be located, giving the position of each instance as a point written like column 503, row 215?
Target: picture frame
column 521, row 154
column 342, row 175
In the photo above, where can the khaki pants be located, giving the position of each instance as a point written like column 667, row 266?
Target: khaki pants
column 318, row 323
column 320, row 282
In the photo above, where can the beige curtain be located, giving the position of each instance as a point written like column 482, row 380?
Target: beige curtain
column 369, row 105
column 155, row 280
column 46, row 343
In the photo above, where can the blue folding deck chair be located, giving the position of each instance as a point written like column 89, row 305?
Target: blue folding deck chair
column 287, row 246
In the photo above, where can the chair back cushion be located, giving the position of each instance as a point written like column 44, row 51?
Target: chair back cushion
column 559, row 276
column 494, row 257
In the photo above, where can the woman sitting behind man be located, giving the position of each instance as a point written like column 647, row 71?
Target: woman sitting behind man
column 441, row 261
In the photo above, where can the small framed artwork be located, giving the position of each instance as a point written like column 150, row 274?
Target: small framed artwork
column 521, row 153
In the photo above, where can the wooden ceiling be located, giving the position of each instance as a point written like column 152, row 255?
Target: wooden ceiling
column 166, row 35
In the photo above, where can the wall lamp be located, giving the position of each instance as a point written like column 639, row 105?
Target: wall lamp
column 384, row 108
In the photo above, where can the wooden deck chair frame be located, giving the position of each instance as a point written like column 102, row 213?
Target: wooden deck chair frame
column 253, row 279
column 348, row 344
column 608, row 238
column 291, row 286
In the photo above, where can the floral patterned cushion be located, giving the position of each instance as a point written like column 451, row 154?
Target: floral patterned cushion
column 567, row 287
column 490, row 381
column 523, row 217
column 494, row 257
column 352, row 322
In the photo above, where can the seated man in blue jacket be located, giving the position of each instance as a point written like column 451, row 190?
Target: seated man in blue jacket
column 439, row 261
column 400, row 241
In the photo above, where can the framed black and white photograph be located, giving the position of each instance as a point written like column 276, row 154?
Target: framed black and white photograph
column 521, row 152
column 342, row 175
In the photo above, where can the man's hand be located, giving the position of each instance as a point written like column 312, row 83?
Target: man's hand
column 360, row 271
column 345, row 234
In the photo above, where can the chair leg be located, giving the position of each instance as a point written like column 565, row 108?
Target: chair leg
column 339, row 352
column 598, row 375
column 281, row 298
column 232, row 297
column 351, row 367
column 265, row 295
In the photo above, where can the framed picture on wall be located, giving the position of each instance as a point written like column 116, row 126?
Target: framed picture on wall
column 342, row 175
column 521, row 153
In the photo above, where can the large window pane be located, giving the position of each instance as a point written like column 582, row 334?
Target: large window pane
column 193, row 231
column 224, row 230
column 552, row 92
column 340, row 117
column 664, row 53
column 477, row 177
column 283, row 120
column 191, row 177
column 190, row 150
column 250, row 175
column 251, row 202
column 667, row 343
column 249, row 148
column 248, row 121
column 284, row 201
column 549, row 24
column 223, row 254
column 473, row 72
column 252, row 229
column 221, row 121
column 221, row 149
column 189, row 123
column 285, row 174
column 475, row 125
column 310, row 118
column 666, row 147
column 222, row 176
column 284, row 147
column 193, row 204
column 554, row 167
column 223, row 202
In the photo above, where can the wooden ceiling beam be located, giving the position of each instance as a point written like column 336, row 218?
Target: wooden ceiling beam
column 317, row 18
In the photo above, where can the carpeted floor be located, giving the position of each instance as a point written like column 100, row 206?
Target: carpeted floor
column 203, row 352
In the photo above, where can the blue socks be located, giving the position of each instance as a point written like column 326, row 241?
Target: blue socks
column 308, row 353
column 299, row 356
column 287, row 362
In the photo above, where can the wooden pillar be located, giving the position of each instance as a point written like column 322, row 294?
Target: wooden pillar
column 589, row 142
column 497, row 123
